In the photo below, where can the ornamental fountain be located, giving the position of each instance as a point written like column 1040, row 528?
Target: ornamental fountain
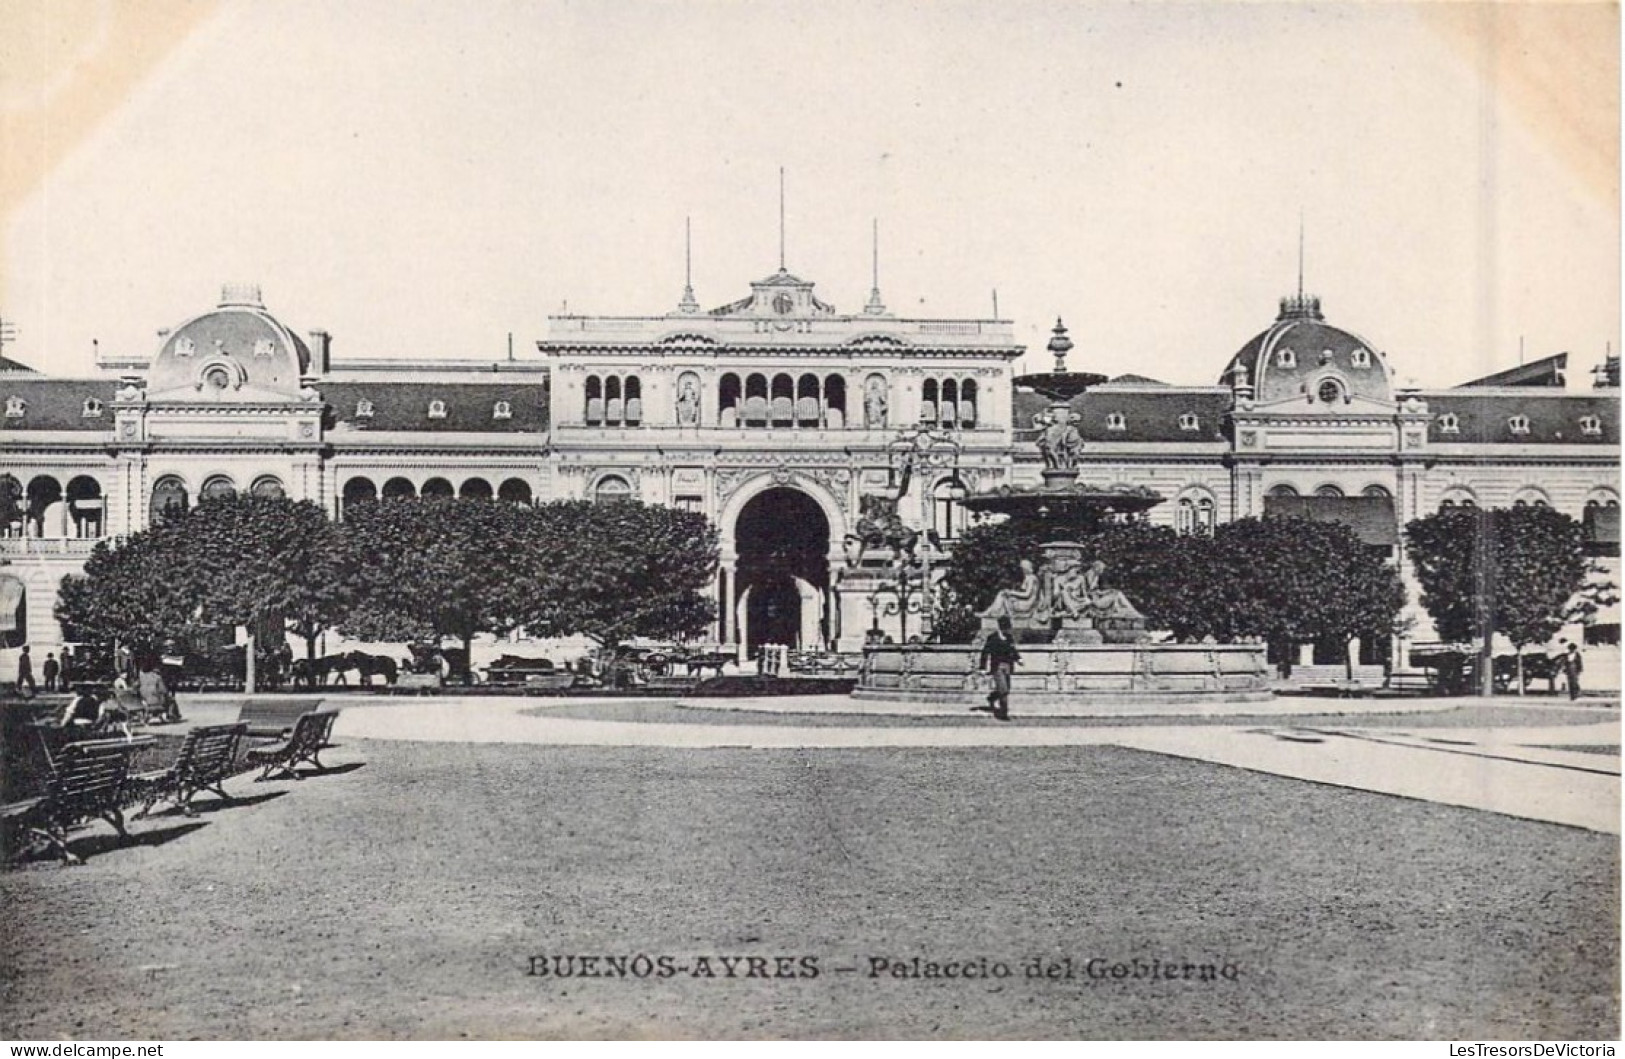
column 1084, row 646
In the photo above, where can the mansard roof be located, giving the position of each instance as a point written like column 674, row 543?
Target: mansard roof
column 57, row 404
column 1484, row 416
column 1149, row 414
column 404, row 406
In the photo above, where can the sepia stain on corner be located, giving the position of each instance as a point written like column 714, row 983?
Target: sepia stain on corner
column 1552, row 66
column 66, row 66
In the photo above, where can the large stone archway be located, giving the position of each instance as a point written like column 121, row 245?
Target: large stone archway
column 777, row 581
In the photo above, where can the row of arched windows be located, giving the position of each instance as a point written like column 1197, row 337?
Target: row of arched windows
column 949, row 403
column 46, row 509
column 361, row 490
column 1329, row 490
column 781, row 401
column 171, row 496
column 614, row 400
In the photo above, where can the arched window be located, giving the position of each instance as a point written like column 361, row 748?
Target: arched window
column 514, row 491
column 1116, row 421
column 808, row 405
column 1518, row 424
column 437, row 409
column 1529, row 496
column 363, row 409
column 967, row 404
column 1361, row 357
column 357, row 491
column 1190, row 421
column 1195, row 513
column 835, row 401
column 946, row 516
column 502, row 410
column 438, row 487
column 755, row 414
column 1449, row 423
column 1282, row 490
column 594, row 412
column 45, row 519
column 614, row 401
column 1590, row 425
column 784, row 400
column 475, row 489
column 1328, row 490
column 948, row 408
column 611, row 488
column 217, row 486
column 1457, row 497
column 85, row 506
column 634, row 400
column 729, row 394
column 399, row 489
column 928, row 401
column 11, row 506
column 92, row 409
column 267, row 485
column 1376, row 490
column 169, row 498
column 1285, row 358
column 16, row 407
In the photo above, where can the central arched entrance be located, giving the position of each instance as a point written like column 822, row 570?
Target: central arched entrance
column 782, row 540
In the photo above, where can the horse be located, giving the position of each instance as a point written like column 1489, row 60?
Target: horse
column 879, row 526
column 368, row 666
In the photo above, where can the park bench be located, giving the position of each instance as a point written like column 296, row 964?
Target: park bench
column 273, row 718
column 87, row 781
column 308, row 739
column 204, row 762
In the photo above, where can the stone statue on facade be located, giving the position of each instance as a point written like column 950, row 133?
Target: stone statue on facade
column 688, row 402
column 874, row 403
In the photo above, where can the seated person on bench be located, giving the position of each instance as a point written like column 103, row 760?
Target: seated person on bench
column 85, row 710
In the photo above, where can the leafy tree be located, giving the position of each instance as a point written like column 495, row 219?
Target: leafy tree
column 1290, row 580
column 127, row 595
column 1518, row 571
column 438, row 568
column 620, row 570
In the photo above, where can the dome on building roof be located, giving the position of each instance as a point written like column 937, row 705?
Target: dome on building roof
column 236, row 344
column 1300, row 354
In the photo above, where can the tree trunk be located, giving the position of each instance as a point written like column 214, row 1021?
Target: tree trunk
column 248, row 663
column 1520, row 670
column 1348, row 660
column 468, row 659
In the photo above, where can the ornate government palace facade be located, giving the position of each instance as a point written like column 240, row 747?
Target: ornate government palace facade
column 775, row 415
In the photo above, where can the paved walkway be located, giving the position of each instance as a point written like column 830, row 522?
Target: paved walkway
column 1531, row 772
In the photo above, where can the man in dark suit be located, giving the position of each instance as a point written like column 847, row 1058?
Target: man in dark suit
column 1572, row 667
column 999, row 658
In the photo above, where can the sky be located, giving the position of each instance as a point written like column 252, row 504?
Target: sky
column 422, row 179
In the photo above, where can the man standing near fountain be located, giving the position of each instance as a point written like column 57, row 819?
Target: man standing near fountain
column 999, row 657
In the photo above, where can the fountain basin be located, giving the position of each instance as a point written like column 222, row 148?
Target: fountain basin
column 1062, row 676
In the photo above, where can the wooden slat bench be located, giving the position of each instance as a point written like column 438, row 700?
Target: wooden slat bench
column 203, row 764
column 87, row 782
column 308, row 740
column 274, row 718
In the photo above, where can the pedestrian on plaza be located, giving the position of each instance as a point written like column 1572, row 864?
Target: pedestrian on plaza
column 156, row 696
column 25, row 673
column 999, row 658
column 50, row 670
column 1572, row 666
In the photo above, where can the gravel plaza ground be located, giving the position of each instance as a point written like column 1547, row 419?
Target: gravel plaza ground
column 1445, row 871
